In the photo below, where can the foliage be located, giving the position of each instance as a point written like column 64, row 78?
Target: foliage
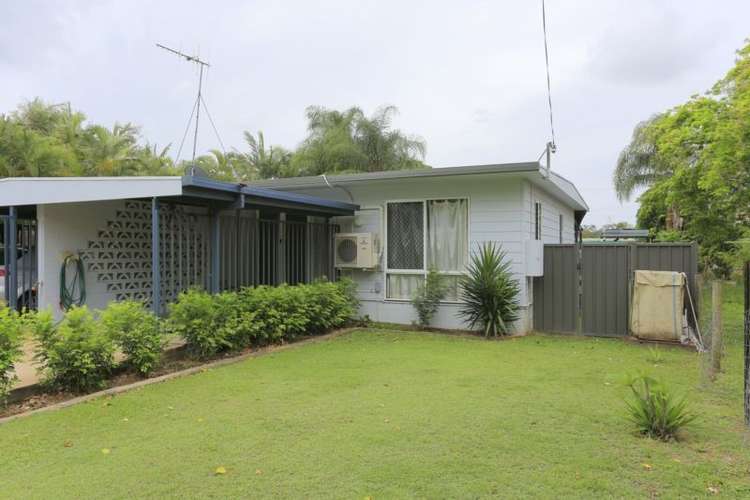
column 489, row 291
column 428, row 296
column 76, row 354
column 136, row 331
column 49, row 140
column 199, row 318
column 11, row 333
column 655, row 355
column 259, row 316
column 349, row 141
column 654, row 409
column 693, row 161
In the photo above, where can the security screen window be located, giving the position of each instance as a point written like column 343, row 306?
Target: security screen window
column 424, row 235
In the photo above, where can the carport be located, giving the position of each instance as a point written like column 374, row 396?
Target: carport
column 149, row 238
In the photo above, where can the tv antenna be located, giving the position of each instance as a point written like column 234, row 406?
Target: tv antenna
column 198, row 101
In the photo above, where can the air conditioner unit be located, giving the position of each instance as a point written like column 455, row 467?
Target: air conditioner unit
column 355, row 251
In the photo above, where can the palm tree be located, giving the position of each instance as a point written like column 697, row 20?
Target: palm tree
column 638, row 165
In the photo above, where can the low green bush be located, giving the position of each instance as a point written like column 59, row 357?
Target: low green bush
column 136, row 331
column 199, row 318
column 11, row 337
column 428, row 296
column 655, row 410
column 77, row 355
column 259, row 316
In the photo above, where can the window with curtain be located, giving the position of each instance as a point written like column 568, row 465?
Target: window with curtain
column 423, row 235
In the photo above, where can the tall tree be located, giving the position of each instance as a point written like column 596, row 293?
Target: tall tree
column 694, row 161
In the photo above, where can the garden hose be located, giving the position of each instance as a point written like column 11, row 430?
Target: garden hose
column 73, row 291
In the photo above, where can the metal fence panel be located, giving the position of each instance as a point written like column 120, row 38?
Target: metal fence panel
column 604, row 274
column 556, row 293
column 605, row 271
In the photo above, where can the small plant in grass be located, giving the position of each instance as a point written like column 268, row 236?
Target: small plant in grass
column 655, row 410
column 136, row 331
column 489, row 292
column 655, row 355
column 428, row 296
column 77, row 355
column 11, row 336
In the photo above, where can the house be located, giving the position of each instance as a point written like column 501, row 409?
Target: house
column 219, row 236
column 194, row 231
column 415, row 219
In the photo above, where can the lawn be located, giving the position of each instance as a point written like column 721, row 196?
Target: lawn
column 388, row 414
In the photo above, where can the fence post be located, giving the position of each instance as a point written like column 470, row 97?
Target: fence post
column 747, row 343
column 716, row 328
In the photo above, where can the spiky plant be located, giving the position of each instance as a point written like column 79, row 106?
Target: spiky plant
column 489, row 292
column 655, row 410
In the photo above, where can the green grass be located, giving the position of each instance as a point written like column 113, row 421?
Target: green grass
column 394, row 414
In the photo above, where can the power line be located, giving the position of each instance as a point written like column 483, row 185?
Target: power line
column 549, row 86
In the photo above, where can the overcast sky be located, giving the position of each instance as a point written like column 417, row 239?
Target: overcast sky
column 468, row 77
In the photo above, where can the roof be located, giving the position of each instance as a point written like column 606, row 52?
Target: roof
column 20, row 191
column 625, row 233
column 551, row 181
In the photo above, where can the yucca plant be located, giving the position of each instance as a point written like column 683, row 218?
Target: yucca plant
column 489, row 292
column 655, row 410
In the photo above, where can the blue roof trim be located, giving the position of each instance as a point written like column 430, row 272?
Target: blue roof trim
column 269, row 194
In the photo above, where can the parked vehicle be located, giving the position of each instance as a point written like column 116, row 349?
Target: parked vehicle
column 27, row 277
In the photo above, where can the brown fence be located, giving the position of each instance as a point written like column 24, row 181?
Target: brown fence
column 587, row 289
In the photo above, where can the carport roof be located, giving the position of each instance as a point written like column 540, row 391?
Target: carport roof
column 20, row 191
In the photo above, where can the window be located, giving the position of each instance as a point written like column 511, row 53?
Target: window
column 537, row 220
column 422, row 235
column 560, row 226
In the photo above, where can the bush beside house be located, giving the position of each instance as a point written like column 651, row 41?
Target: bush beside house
column 78, row 353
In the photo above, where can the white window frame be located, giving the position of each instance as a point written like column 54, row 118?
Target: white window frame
column 538, row 220
column 560, row 228
column 422, row 272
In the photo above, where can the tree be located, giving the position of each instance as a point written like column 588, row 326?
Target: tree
column 40, row 139
column 694, row 161
column 348, row 141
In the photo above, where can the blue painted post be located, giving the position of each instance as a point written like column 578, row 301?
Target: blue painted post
column 215, row 255
column 11, row 258
column 155, row 254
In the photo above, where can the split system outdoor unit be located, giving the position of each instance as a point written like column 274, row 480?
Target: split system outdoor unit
column 355, row 251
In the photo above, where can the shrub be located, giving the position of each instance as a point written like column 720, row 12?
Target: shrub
column 77, row 355
column 136, row 331
column 428, row 296
column 11, row 334
column 199, row 318
column 654, row 410
column 489, row 292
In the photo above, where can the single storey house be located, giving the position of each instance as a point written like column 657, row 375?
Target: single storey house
column 148, row 238
column 411, row 220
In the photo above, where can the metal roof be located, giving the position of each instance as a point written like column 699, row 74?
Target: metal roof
column 550, row 181
column 21, row 191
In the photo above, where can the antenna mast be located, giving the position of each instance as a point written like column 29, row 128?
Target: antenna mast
column 201, row 65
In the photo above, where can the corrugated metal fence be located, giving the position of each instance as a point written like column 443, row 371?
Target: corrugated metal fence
column 587, row 289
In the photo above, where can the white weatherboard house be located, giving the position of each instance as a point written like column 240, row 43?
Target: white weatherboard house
column 383, row 229
column 418, row 219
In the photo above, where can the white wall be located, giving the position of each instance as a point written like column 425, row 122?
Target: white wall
column 496, row 213
column 67, row 228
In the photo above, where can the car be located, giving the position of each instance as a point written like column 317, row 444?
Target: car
column 27, row 277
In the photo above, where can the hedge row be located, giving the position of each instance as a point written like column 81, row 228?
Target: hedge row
column 78, row 352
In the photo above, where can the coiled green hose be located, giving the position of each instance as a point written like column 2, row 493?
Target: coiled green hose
column 73, row 291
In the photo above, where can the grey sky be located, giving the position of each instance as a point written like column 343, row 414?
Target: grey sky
column 467, row 76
